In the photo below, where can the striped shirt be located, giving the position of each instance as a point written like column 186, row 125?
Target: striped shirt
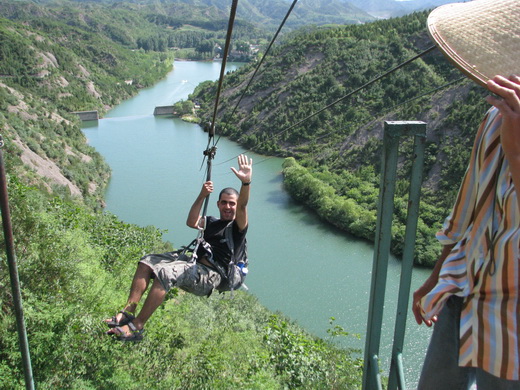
column 484, row 265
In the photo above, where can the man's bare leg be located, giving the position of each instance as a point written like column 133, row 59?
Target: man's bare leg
column 154, row 299
column 140, row 282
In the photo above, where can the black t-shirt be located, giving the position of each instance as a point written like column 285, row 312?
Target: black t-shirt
column 214, row 234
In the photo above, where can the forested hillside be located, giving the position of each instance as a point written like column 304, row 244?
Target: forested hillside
column 75, row 261
column 337, row 153
column 269, row 12
column 383, row 9
column 49, row 69
column 152, row 26
column 260, row 13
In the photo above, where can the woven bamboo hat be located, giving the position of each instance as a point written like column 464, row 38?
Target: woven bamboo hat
column 481, row 37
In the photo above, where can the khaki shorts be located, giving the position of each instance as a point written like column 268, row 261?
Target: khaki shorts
column 192, row 277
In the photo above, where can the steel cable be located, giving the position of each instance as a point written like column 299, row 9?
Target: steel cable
column 210, row 151
column 350, row 94
column 263, row 58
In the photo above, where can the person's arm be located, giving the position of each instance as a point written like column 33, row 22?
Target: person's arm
column 193, row 219
column 509, row 107
column 244, row 174
column 427, row 286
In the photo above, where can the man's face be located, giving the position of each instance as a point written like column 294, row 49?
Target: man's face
column 227, row 206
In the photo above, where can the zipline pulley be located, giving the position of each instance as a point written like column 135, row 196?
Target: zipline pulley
column 210, row 153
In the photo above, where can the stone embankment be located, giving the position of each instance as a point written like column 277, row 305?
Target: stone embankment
column 87, row 115
column 163, row 110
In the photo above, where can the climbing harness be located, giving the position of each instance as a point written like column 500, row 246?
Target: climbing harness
column 234, row 272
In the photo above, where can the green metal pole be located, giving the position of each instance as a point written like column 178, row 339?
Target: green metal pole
column 371, row 376
column 392, row 133
column 418, row 130
column 13, row 273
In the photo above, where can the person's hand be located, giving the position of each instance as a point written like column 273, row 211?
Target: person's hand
column 207, row 188
column 245, row 169
column 416, row 303
column 509, row 106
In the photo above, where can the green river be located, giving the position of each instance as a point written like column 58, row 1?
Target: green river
column 299, row 266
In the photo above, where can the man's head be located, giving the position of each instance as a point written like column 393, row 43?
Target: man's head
column 227, row 203
column 481, row 37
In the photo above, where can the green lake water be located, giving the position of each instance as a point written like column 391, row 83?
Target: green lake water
column 300, row 266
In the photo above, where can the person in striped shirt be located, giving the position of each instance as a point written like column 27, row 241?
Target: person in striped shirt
column 473, row 292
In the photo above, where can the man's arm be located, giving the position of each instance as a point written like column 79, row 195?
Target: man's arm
column 245, row 174
column 193, row 220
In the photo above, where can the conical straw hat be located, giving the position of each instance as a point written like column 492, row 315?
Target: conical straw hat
column 481, row 37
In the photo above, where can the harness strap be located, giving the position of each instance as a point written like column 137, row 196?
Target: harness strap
column 200, row 241
column 228, row 234
column 207, row 247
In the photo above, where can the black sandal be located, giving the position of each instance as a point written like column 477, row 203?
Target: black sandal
column 135, row 334
column 127, row 318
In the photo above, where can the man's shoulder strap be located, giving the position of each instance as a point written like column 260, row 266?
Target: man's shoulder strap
column 228, row 234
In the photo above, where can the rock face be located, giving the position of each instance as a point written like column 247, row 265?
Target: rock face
column 45, row 168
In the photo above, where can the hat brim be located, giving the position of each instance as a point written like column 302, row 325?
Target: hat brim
column 480, row 37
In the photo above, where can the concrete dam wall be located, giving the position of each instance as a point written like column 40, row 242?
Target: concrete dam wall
column 87, row 115
column 163, row 110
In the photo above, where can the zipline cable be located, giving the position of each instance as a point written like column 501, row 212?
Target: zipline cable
column 430, row 92
column 358, row 89
column 262, row 59
column 223, row 67
column 369, row 83
column 210, row 151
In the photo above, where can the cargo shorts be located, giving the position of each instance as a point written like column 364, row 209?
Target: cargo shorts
column 190, row 276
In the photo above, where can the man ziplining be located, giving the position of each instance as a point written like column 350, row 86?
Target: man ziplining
column 223, row 245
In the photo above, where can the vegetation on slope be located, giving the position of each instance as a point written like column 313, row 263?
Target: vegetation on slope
column 76, row 262
column 157, row 27
column 266, row 14
column 49, row 69
column 340, row 149
column 75, row 268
